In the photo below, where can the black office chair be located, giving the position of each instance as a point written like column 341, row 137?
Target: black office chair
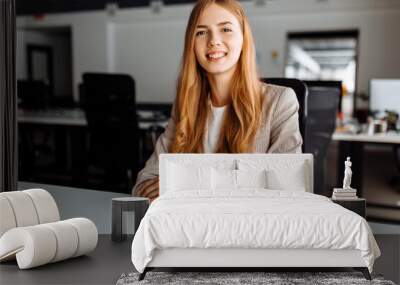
column 110, row 109
column 33, row 94
column 36, row 145
column 323, row 105
column 302, row 94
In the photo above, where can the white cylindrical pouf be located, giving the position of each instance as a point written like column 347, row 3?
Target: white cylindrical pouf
column 87, row 234
column 7, row 218
column 45, row 205
column 23, row 207
column 34, row 245
column 67, row 239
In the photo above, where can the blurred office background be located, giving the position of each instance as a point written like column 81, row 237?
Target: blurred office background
column 96, row 80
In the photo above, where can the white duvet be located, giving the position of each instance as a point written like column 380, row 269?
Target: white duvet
column 252, row 218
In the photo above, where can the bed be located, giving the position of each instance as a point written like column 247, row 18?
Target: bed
column 247, row 211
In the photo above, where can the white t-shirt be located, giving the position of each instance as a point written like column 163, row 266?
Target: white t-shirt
column 214, row 125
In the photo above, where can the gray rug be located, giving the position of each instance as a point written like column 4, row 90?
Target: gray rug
column 243, row 278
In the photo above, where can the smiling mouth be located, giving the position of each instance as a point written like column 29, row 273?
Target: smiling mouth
column 216, row 56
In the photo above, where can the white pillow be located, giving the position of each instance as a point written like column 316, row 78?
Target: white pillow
column 235, row 179
column 251, row 178
column 223, row 179
column 182, row 177
column 281, row 174
column 293, row 180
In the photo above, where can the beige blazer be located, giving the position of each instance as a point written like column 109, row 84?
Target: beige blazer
column 279, row 131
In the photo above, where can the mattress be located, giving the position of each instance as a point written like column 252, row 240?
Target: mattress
column 250, row 219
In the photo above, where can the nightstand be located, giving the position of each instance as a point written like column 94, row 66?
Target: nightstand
column 137, row 205
column 357, row 205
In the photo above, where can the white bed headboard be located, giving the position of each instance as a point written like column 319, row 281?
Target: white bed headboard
column 228, row 160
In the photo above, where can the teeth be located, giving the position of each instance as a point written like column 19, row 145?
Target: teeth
column 217, row 55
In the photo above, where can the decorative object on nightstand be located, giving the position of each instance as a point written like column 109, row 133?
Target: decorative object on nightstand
column 345, row 193
column 120, row 206
column 347, row 196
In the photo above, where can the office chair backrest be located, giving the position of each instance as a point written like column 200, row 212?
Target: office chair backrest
column 302, row 94
column 110, row 109
column 33, row 94
column 337, row 85
column 109, row 99
column 323, row 105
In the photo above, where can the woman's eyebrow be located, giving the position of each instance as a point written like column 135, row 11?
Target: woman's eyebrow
column 219, row 24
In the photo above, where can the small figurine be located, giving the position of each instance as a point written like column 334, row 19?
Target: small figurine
column 347, row 174
column 345, row 193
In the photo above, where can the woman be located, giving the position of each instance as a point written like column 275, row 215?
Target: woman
column 221, row 105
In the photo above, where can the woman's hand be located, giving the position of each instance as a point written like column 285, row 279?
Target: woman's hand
column 149, row 189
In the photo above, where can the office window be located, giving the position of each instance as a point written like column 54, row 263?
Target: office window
column 325, row 56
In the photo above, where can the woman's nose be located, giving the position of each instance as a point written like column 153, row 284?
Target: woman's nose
column 214, row 40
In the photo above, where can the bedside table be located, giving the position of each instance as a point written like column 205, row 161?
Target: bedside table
column 137, row 205
column 357, row 205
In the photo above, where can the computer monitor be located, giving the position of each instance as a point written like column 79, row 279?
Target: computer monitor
column 384, row 95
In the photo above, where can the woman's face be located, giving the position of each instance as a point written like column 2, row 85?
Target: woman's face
column 218, row 40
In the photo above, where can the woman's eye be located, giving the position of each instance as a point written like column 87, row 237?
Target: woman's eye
column 227, row 30
column 200, row 33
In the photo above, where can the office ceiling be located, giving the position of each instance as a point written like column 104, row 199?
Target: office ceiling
column 29, row 7
column 334, row 53
column 328, row 53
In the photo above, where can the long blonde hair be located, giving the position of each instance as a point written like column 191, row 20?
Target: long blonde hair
column 242, row 116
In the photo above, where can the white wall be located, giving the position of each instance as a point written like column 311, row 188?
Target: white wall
column 152, row 59
column 148, row 46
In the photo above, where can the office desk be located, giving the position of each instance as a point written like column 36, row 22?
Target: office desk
column 390, row 138
column 353, row 145
column 69, row 127
column 76, row 117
